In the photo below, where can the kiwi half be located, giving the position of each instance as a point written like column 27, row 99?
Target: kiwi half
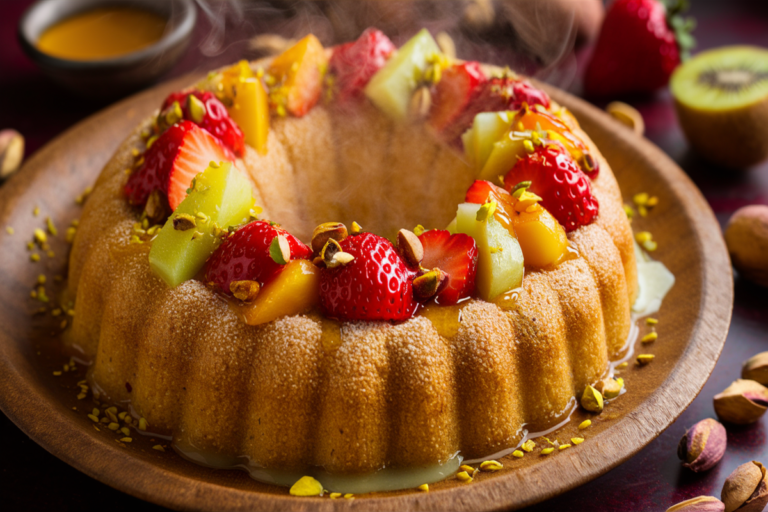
column 721, row 98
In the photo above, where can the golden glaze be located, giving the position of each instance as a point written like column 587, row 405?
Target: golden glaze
column 393, row 395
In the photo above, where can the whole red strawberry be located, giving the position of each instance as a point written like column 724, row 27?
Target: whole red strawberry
column 213, row 117
column 640, row 44
column 376, row 285
column 495, row 95
column 563, row 187
column 455, row 255
column 245, row 256
column 353, row 64
column 171, row 163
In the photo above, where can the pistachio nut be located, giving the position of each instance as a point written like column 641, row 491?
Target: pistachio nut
column 245, row 291
column 742, row 403
column 756, row 368
column 325, row 231
column 280, row 250
column 592, row 400
column 183, row 222
column 330, row 248
column 699, row 504
column 746, row 489
column 610, row 388
column 421, row 102
column 410, row 247
column 703, row 445
column 11, row 152
column 429, row 284
column 156, row 209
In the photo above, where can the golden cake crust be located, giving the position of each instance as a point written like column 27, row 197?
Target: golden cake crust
column 385, row 395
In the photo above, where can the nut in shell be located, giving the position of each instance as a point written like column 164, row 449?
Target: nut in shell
column 756, row 368
column 747, row 239
column 330, row 248
column 699, row 504
column 11, row 152
column 703, row 445
column 326, row 231
column 429, row 284
column 610, row 388
column 592, row 400
column 410, row 247
column 746, row 489
column 742, row 403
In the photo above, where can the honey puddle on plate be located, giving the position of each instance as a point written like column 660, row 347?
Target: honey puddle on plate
column 102, row 33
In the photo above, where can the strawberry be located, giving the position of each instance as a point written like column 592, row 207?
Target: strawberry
column 456, row 255
column 376, row 285
column 563, row 187
column 171, row 163
column 494, row 95
column 453, row 93
column 353, row 64
column 640, row 44
column 480, row 190
column 245, row 256
column 212, row 117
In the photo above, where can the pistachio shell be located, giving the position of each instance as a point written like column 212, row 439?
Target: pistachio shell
column 592, row 400
column 307, row 486
column 742, row 403
column 746, row 489
column 756, row 368
column 325, row 231
column 699, row 504
column 703, row 445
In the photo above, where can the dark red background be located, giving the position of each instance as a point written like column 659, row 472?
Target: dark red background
column 32, row 479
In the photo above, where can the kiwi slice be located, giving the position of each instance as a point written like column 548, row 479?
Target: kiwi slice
column 721, row 98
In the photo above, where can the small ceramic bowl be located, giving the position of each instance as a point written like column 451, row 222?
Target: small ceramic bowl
column 113, row 77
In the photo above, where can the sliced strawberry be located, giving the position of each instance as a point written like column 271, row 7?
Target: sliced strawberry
column 453, row 92
column 375, row 285
column 480, row 191
column 213, row 117
column 182, row 152
column 353, row 64
column 495, row 95
column 456, row 255
column 245, row 256
column 563, row 187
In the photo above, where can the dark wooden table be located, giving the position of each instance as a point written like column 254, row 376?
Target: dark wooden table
column 32, row 479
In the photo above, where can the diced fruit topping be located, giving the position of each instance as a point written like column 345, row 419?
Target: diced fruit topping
column 563, row 187
column 374, row 285
column 453, row 93
column 292, row 291
column 257, row 252
column 542, row 239
column 487, row 128
column 456, row 255
column 500, row 263
column 392, row 86
column 298, row 73
column 220, row 197
column 172, row 162
column 497, row 94
column 353, row 64
column 246, row 99
column 205, row 110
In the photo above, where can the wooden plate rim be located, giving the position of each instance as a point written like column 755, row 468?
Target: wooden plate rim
column 50, row 428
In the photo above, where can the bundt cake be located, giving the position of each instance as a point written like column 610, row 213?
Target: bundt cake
column 452, row 363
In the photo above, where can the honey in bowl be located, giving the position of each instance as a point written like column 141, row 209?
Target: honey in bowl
column 102, row 33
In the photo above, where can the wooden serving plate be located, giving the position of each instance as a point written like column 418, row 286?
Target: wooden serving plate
column 693, row 323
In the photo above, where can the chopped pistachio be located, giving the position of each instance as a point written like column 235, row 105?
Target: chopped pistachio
column 529, row 445
column 650, row 337
column 585, row 424
column 158, row 448
column 547, row 451
column 336, row 495
column 577, row 440
column 463, row 476
column 563, row 446
column 518, row 454
column 491, row 465
column 423, row 487
column 651, row 321
column 644, row 359
column 9, row 230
